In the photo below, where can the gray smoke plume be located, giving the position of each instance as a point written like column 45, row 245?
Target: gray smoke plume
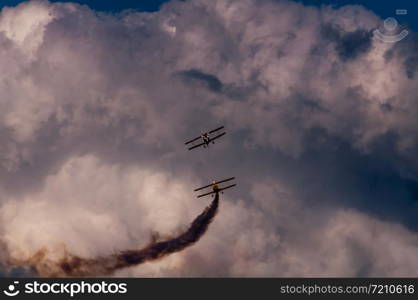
column 75, row 266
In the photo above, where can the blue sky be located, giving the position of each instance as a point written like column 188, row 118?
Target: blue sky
column 107, row 5
column 384, row 9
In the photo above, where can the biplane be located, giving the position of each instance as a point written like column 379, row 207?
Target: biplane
column 207, row 138
column 215, row 187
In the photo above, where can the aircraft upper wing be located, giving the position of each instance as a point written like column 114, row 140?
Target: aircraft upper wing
column 216, row 137
column 196, row 146
column 203, row 187
column 225, row 180
column 192, row 140
column 219, row 128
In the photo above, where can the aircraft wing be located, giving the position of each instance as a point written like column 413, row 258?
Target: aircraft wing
column 225, row 180
column 192, row 140
column 219, row 128
column 216, row 137
column 206, row 194
column 203, row 187
column 196, row 146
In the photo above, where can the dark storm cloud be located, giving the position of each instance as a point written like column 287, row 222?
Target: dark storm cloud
column 239, row 93
column 411, row 66
column 411, row 60
column 407, row 52
column 211, row 81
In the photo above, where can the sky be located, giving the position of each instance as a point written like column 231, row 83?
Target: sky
column 320, row 116
column 107, row 5
column 382, row 8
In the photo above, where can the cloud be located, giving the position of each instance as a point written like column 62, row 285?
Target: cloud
column 321, row 134
column 25, row 27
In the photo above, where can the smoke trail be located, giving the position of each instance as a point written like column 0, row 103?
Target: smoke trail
column 75, row 266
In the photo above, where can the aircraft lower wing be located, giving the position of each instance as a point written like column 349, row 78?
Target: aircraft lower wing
column 227, row 187
column 196, row 146
column 193, row 140
column 217, row 137
column 213, row 192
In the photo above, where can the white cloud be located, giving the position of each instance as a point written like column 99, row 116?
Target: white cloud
column 94, row 109
column 26, row 26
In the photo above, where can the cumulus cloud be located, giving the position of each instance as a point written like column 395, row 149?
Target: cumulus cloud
column 322, row 136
